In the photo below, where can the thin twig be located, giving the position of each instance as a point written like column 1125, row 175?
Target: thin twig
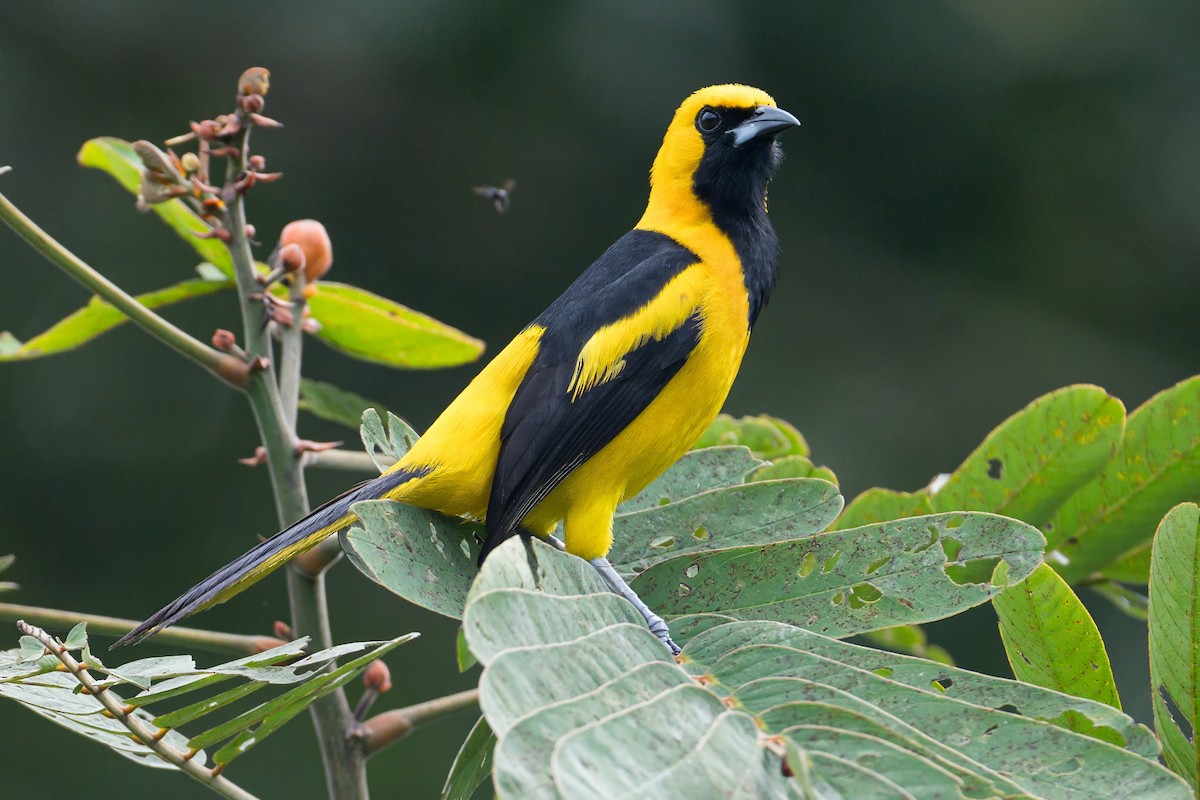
column 116, row 707
column 229, row 369
column 209, row 641
column 392, row 726
column 354, row 460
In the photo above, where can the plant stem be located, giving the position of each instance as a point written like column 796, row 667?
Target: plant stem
column 211, row 641
column 231, row 370
column 141, row 730
column 292, row 347
column 392, row 726
column 355, row 460
column 343, row 756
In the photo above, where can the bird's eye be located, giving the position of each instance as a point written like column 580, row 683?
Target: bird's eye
column 707, row 120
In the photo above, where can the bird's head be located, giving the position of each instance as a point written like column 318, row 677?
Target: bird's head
column 718, row 154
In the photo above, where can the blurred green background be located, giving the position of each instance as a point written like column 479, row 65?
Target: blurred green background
column 986, row 201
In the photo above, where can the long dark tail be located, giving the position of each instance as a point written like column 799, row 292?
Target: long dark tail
column 269, row 555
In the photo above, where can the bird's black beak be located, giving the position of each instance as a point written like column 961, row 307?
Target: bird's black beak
column 765, row 121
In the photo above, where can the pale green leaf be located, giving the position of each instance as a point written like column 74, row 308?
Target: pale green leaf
column 752, row 513
column 695, row 473
column 838, row 582
column 77, row 637
column 385, row 447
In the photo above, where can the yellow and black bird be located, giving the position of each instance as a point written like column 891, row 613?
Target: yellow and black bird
column 611, row 384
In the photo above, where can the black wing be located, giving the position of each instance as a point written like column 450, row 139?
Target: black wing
column 546, row 435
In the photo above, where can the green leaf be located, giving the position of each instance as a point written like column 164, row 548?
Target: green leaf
column 77, row 638
column 1132, row 567
column 882, row 505
column 1135, row 604
column 31, row 648
column 695, row 473
column 98, row 317
column 750, row 513
column 1175, row 638
column 373, row 328
column 385, row 447
column 252, row 727
column 910, row 640
column 1052, row 641
column 792, row 467
column 767, row 437
column 473, row 764
column 423, row 556
column 838, row 582
column 328, row 402
column 463, row 655
column 117, row 158
column 621, row 718
column 1038, row 457
column 1157, row 466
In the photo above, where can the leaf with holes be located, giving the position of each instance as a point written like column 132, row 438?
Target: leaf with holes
column 1175, row 637
column 97, row 318
column 1038, row 457
column 1052, row 641
column 1157, row 466
column 882, row 505
column 854, row 580
column 752, row 513
column 385, row 447
column 366, row 326
column 621, row 718
column 117, row 158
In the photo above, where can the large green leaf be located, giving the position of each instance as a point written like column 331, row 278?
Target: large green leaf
column 621, row 718
column 1175, row 638
column 698, row 471
column 855, row 580
column 751, row 513
column 96, row 318
column 117, row 158
column 1028, row 466
column 1157, row 466
column 373, row 328
column 1052, row 641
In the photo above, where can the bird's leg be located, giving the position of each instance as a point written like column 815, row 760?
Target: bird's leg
column 615, row 582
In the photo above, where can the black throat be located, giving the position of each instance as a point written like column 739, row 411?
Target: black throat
column 732, row 182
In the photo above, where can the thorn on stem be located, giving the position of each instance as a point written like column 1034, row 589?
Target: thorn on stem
column 306, row 446
column 258, row 459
